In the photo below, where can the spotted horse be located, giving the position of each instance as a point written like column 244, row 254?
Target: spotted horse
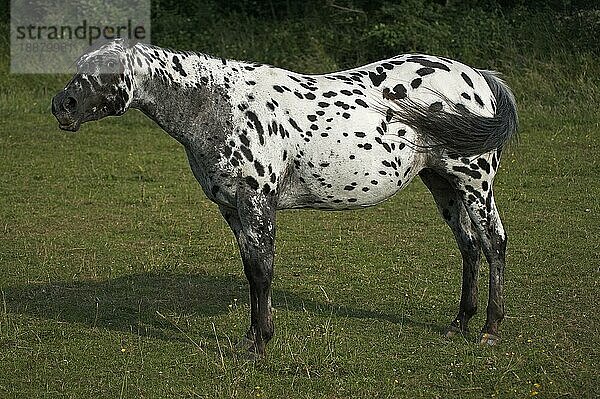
column 260, row 139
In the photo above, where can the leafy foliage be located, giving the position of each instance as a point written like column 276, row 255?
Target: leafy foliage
column 488, row 33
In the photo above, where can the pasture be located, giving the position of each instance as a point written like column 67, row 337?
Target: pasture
column 119, row 279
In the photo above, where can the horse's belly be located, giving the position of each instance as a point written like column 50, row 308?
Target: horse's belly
column 345, row 180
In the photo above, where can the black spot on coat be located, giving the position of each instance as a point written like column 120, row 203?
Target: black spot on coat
column 294, row 124
column 259, row 168
column 467, row 171
column 251, row 181
column 377, row 78
column 361, row 103
column 247, row 153
column 429, row 64
column 177, row 66
column 425, row 71
column 436, row 106
column 244, row 140
column 467, row 79
column 478, row 100
column 398, row 92
column 483, row 164
column 257, row 125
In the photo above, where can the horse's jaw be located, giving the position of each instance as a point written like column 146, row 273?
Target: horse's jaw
column 70, row 127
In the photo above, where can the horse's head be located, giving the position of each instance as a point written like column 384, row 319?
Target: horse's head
column 102, row 86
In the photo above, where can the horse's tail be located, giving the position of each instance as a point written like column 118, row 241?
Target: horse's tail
column 456, row 129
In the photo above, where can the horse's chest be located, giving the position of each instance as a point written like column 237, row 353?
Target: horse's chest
column 218, row 184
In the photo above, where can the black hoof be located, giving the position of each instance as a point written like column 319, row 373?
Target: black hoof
column 456, row 328
column 247, row 348
column 451, row 331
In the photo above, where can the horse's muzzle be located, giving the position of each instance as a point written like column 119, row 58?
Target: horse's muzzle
column 64, row 109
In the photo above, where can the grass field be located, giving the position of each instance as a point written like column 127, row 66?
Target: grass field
column 119, row 279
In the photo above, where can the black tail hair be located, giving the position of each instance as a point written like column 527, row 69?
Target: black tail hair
column 459, row 131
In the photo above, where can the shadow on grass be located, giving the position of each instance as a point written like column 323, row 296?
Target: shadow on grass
column 144, row 303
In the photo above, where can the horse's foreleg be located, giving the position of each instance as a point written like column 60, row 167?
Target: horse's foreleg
column 253, row 223
column 452, row 209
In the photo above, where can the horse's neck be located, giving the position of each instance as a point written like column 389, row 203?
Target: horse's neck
column 183, row 93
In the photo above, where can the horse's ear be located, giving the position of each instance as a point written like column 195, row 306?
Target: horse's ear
column 125, row 42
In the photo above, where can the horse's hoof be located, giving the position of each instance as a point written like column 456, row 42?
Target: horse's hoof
column 244, row 345
column 456, row 327
column 451, row 331
column 489, row 339
column 246, row 348
column 251, row 356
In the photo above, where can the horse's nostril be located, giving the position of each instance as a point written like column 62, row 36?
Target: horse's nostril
column 70, row 104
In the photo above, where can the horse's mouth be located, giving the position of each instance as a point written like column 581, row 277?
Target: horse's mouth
column 70, row 127
column 69, row 121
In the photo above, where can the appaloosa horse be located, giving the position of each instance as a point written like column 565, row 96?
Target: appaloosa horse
column 261, row 138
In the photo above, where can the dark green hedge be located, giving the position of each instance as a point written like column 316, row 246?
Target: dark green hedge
column 345, row 33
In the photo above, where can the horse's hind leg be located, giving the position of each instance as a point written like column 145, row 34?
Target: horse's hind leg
column 450, row 205
column 478, row 199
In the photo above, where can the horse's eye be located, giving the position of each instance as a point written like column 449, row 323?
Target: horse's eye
column 110, row 64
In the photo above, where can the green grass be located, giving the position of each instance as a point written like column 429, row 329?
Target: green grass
column 119, row 279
